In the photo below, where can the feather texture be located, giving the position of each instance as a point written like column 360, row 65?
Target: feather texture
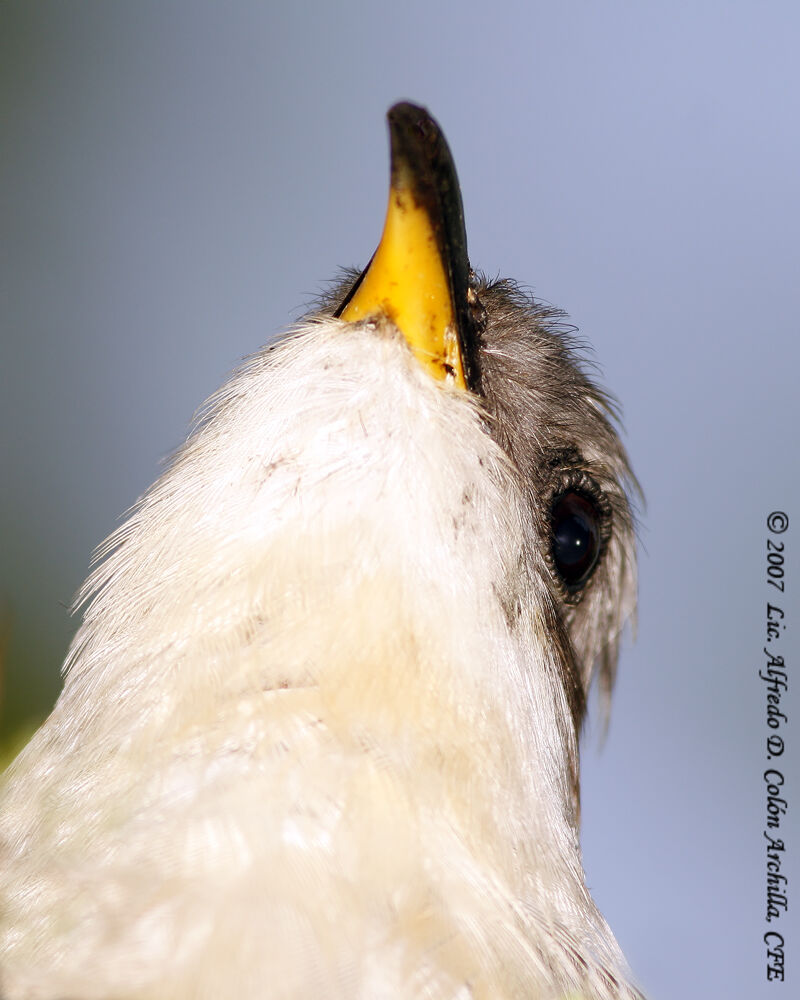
column 318, row 733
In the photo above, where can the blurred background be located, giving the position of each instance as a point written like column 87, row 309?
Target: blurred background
column 178, row 180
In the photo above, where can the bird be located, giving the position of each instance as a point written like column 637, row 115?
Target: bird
column 319, row 728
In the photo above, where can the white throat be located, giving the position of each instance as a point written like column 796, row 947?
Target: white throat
column 334, row 595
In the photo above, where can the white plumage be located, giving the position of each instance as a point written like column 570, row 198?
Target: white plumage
column 315, row 738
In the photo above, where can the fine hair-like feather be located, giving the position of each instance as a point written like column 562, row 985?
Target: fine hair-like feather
column 319, row 727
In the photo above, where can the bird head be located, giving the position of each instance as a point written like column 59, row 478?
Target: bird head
column 353, row 627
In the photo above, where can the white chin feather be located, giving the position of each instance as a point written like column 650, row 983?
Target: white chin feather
column 313, row 740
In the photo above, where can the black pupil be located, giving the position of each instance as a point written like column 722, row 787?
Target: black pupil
column 576, row 537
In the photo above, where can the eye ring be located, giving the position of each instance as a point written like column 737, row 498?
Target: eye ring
column 580, row 526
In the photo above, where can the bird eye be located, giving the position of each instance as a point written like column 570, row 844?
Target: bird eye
column 576, row 522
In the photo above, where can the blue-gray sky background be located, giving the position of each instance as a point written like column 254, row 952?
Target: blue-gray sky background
column 177, row 180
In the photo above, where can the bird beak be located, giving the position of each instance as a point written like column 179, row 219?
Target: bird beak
column 419, row 277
